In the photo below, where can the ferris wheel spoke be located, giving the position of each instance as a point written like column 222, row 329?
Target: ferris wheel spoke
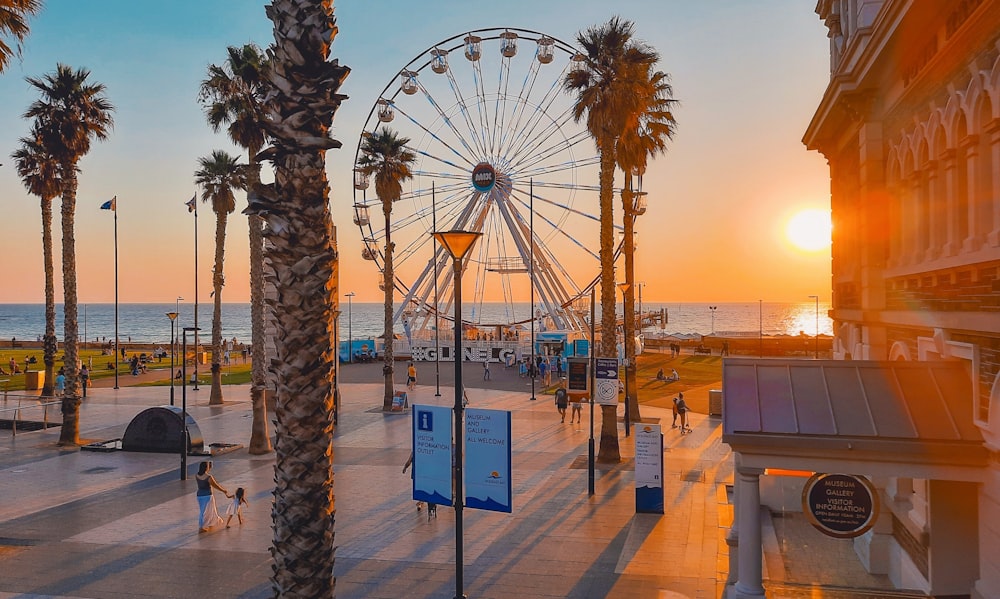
column 436, row 138
column 561, row 230
column 481, row 110
column 466, row 114
column 541, row 142
column 568, row 165
column 542, row 108
column 519, row 109
column 446, row 120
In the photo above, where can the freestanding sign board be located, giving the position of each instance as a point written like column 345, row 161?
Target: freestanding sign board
column 606, row 381
column 578, row 375
column 648, row 469
column 432, row 449
column 840, row 505
column 487, row 460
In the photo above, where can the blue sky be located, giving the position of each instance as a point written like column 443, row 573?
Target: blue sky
column 748, row 74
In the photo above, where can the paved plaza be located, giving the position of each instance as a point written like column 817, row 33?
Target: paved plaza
column 123, row 524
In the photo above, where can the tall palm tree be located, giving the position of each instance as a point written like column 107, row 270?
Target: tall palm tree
column 384, row 154
column 218, row 176
column 233, row 97
column 70, row 113
column 645, row 135
column 608, row 83
column 301, row 259
column 14, row 24
column 39, row 171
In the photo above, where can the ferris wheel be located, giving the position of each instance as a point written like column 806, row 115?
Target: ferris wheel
column 499, row 153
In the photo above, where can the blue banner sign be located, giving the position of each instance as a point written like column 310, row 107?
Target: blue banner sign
column 487, row 460
column 432, row 450
column 648, row 469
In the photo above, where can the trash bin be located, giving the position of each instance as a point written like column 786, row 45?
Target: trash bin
column 715, row 402
column 34, row 379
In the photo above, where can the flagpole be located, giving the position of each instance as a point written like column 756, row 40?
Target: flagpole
column 114, row 208
column 195, row 387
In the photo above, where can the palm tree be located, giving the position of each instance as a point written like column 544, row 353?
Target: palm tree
column 301, row 259
column 645, row 135
column 233, row 95
column 39, row 171
column 14, row 24
column 218, row 176
column 69, row 113
column 385, row 155
column 608, row 84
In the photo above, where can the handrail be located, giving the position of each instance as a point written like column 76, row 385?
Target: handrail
column 17, row 413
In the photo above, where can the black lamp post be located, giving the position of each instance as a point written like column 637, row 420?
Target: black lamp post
column 625, row 318
column 816, row 339
column 458, row 244
column 350, row 334
column 172, row 316
column 184, row 403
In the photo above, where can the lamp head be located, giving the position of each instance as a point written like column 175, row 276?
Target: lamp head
column 623, row 286
column 172, row 316
column 458, row 243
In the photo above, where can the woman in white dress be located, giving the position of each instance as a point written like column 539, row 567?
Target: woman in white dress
column 208, row 513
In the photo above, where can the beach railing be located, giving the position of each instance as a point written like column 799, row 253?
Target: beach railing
column 16, row 412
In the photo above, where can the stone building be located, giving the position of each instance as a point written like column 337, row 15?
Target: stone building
column 910, row 126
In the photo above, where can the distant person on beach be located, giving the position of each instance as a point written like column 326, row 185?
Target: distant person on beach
column 660, row 376
column 13, row 365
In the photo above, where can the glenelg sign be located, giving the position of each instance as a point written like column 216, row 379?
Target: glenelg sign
column 840, row 505
column 483, row 177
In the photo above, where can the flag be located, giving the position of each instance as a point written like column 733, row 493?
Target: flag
column 192, row 204
column 110, row 204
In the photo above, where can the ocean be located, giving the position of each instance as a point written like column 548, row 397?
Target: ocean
column 148, row 323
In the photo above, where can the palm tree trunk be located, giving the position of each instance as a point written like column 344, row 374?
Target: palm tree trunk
column 49, row 343
column 301, row 261
column 609, row 450
column 218, row 279
column 260, row 440
column 70, row 431
column 631, row 387
column 388, row 336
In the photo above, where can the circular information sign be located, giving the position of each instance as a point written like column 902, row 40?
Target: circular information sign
column 483, row 177
column 840, row 505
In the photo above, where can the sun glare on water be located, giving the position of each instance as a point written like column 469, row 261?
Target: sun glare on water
column 809, row 230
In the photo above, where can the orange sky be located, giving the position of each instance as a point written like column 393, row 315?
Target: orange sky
column 748, row 76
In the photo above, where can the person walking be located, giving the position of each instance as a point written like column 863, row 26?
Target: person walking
column 84, row 378
column 682, row 411
column 208, row 513
column 562, row 401
column 60, row 386
column 486, row 370
column 576, row 410
column 411, row 376
column 236, row 506
column 406, row 466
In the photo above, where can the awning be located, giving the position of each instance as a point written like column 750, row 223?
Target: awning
column 897, row 418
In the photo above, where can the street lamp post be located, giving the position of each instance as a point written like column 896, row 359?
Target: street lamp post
column 350, row 333
column 816, row 339
column 458, row 243
column 184, row 403
column 172, row 316
column 713, row 309
column 625, row 318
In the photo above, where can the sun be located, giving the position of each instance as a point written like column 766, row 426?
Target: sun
column 809, row 230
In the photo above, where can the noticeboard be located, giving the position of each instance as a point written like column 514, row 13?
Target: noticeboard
column 578, row 374
column 487, row 469
column 840, row 505
column 432, row 454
